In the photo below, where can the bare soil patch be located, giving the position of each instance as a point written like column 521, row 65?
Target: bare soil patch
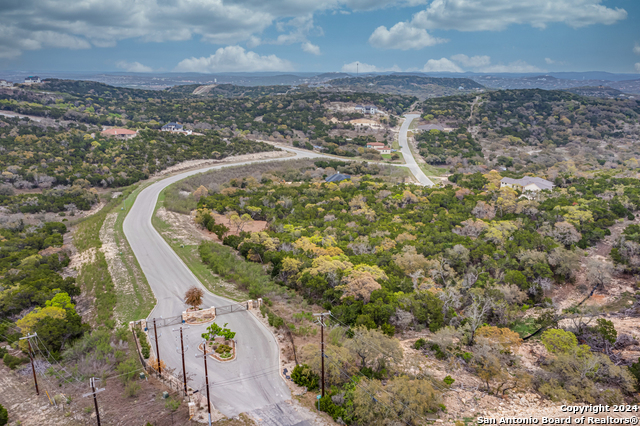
column 255, row 226
column 183, row 228
column 192, row 164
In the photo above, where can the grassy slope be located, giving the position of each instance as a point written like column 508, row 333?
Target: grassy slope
column 191, row 258
column 428, row 169
column 94, row 277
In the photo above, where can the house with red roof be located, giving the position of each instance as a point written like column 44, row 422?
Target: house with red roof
column 119, row 133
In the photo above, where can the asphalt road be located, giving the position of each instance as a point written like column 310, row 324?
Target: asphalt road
column 250, row 382
column 408, row 155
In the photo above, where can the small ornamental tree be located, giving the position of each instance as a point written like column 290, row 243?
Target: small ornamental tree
column 215, row 330
column 193, row 297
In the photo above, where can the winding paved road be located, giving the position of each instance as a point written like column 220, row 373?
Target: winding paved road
column 252, row 381
column 408, row 155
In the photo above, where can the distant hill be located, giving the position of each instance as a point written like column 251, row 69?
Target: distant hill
column 598, row 92
column 230, row 90
column 421, row 87
column 93, row 88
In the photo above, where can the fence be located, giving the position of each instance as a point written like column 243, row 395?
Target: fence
column 163, row 322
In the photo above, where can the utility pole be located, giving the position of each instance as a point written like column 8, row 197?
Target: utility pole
column 33, row 368
column 155, row 335
column 182, row 351
column 322, row 325
column 206, row 376
column 94, row 392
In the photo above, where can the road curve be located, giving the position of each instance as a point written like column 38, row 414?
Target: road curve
column 408, row 155
column 252, row 380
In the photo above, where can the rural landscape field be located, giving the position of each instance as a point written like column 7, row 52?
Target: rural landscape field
column 281, row 234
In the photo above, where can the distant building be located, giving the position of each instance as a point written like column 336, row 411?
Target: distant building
column 369, row 109
column 119, row 133
column 172, row 127
column 32, row 79
column 5, row 83
column 527, row 183
column 175, row 128
column 375, row 145
column 338, row 177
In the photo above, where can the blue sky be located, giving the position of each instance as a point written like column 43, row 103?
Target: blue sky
column 320, row 35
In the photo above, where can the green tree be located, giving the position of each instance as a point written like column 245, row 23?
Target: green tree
column 606, row 330
column 215, row 330
column 559, row 341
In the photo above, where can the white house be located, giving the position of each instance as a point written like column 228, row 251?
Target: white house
column 368, row 109
column 527, row 183
column 32, row 79
column 5, row 83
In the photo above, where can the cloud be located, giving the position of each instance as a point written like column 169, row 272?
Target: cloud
column 311, row 48
column 365, row 68
column 441, row 65
column 234, row 58
column 636, row 49
column 402, row 36
column 496, row 15
column 549, row 61
column 637, row 66
column 491, row 15
column 133, row 66
column 37, row 24
column 474, row 61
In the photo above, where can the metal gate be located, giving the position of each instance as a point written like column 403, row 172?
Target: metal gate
column 232, row 308
column 164, row 322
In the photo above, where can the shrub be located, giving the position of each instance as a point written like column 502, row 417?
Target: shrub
column 275, row 321
column 467, row 356
column 127, row 370
column 303, row 375
column 144, row 344
column 3, row 352
column 559, row 341
column 4, row 416
column 448, row 380
column 232, row 241
column 223, row 349
column 132, row 389
column 13, row 361
column 419, row 344
column 440, row 354
column 635, row 372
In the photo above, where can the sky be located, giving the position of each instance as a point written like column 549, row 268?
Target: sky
column 211, row 36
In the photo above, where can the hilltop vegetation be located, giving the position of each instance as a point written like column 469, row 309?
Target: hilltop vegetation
column 542, row 131
column 419, row 86
column 475, row 265
column 33, row 156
